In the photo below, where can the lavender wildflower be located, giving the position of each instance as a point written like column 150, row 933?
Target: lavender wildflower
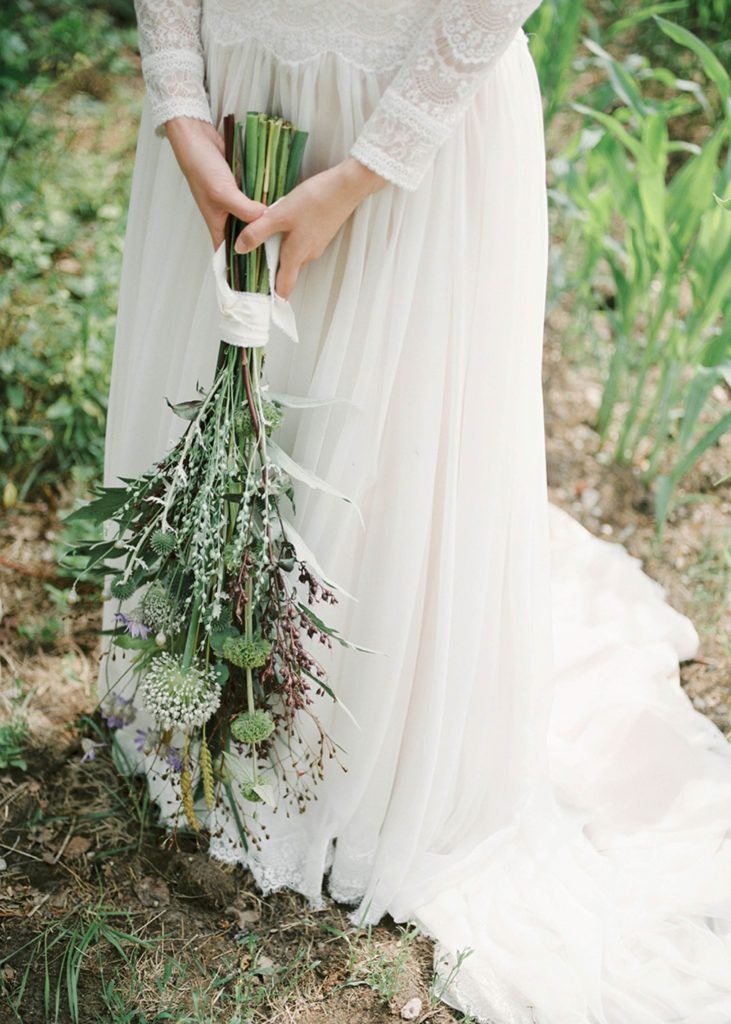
column 118, row 711
column 133, row 627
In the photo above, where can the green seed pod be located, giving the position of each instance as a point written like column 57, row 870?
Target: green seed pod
column 272, row 419
column 159, row 609
column 163, row 542
column 246, row 653
column 124, row 589
column 253, row 726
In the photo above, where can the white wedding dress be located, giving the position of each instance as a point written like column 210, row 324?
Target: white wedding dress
column 526, row 778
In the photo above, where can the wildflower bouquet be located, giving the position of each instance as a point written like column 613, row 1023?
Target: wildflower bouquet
column 208, row 566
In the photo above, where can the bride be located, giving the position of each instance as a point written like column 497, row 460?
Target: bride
column 525, row 777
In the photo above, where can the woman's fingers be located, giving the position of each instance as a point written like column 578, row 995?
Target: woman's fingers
column 244, row 208
column 286, row 278
column 257, row 232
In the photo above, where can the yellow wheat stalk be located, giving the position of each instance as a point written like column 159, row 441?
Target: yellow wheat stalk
column 186, row 786
column 207, row 773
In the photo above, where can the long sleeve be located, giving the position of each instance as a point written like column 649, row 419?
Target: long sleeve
column 431, row 91
column 172, row 59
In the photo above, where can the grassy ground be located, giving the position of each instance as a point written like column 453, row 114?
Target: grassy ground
column 98, row 910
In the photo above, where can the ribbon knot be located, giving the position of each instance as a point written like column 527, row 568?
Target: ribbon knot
column 246, row 319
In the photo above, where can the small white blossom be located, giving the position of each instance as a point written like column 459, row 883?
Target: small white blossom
column 179, row 697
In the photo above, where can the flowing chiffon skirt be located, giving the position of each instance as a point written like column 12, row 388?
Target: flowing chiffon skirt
column 525, row 777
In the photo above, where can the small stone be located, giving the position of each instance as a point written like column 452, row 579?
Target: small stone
column 264, row 965
column 412, row 1009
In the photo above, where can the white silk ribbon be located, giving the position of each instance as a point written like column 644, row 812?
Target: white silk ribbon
column 246, row 319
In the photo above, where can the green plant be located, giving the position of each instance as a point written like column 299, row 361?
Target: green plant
column 62, row 196
column 554, row 30
column 14, row 732
column 63, row 948
column 373, row 965
column 655, row 246
column 441, row 982
column 13, row 736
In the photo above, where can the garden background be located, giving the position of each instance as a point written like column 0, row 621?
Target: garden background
column 100, row 920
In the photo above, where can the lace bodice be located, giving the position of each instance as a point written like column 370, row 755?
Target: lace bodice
column 438, row 51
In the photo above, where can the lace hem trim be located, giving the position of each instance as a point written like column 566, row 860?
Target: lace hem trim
column 387, row 166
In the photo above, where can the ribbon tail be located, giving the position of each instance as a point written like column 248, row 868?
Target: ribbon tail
column 281, row 312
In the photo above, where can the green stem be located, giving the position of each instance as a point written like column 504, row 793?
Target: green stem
column 192, row 633
column 249, row 633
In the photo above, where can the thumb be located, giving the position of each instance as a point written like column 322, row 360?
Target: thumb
column 242, row 207
column 258, row 231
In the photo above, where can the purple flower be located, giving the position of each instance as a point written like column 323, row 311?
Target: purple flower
column 118, row 711
column 133, row 627
column 174, row 759
column 148, row 740
column 89, row 748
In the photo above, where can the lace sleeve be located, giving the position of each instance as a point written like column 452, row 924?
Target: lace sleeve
column 450, row 59
column 172, row 59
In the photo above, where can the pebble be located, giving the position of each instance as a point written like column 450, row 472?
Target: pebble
column 412, row 1009
column 589, row 497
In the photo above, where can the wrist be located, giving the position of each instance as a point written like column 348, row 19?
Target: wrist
column 182, row 129
column 361, row 179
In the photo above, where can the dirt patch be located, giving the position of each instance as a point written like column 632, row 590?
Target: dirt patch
column 103, row 910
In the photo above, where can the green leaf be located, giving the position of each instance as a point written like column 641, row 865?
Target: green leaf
column 221, row 671
column 306, row 476
column 612, row 125
column 691, row 191
column 102, row 508
column 709, row 61
column 133, row 643
column 217, row 637
column 304, row 554
column 186, row 410
column 333, row 632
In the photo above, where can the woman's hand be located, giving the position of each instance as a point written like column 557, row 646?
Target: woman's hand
column 199, row 150
column 310, row 216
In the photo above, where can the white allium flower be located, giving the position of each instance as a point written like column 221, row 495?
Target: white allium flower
column 179, row 697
